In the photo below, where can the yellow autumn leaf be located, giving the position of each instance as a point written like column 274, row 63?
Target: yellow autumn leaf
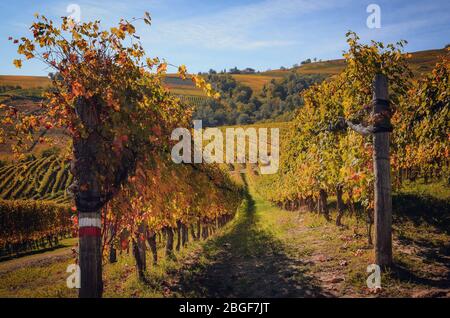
column 182, row 71
column 162, row 68
column 17, row 63
column 131, row 29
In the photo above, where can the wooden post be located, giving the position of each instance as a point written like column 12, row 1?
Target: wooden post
column 90, row 257
column 88, row 200
column 340, row 205
column 382, row 173
column 91, row 191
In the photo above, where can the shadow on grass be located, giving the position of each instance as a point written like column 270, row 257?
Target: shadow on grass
column 402, row 272
column 421, row 209
column 246, row 262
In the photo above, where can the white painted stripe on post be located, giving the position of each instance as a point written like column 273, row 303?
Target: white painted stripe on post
column 89, row 222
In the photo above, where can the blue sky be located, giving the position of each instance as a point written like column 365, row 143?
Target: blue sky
column 262, row 34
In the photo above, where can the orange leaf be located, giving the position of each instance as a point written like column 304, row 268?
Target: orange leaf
column 162, row 68
column 77, row 89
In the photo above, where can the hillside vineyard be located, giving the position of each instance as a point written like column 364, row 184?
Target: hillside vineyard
column 131, row 179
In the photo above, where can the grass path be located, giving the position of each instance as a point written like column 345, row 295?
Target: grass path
column 61, row 252
column 269, row 252
column 248, row 260
column 265, row 252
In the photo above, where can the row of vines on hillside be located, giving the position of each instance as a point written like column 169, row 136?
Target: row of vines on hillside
column 45, row 178
column 109, row 97
column 187, row 197
column 322, row 156
column 168, row 199
column 31, row 224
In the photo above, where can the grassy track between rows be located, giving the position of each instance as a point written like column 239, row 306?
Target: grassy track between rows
column 269, row 252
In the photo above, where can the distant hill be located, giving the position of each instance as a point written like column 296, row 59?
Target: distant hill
column 175, row 83
column 24, row 81
column 179, row 86
column 24, row 92
column 421, row 62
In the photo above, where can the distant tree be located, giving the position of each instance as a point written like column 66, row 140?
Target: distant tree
column 282, row 68
column 211, row 71
column 243, row 94
column 295, row 65
column 307, row 61
column 234, row 70
column 277, row 100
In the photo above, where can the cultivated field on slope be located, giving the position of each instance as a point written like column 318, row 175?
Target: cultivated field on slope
column 45, row 178
column 420, row 62
column 24, row 81
column 34, row 85
column 256, row 81
column 179, row 86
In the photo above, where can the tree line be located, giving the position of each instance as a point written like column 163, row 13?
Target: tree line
column 240, row 105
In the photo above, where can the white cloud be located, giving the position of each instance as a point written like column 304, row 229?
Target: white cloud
column 241, row 27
